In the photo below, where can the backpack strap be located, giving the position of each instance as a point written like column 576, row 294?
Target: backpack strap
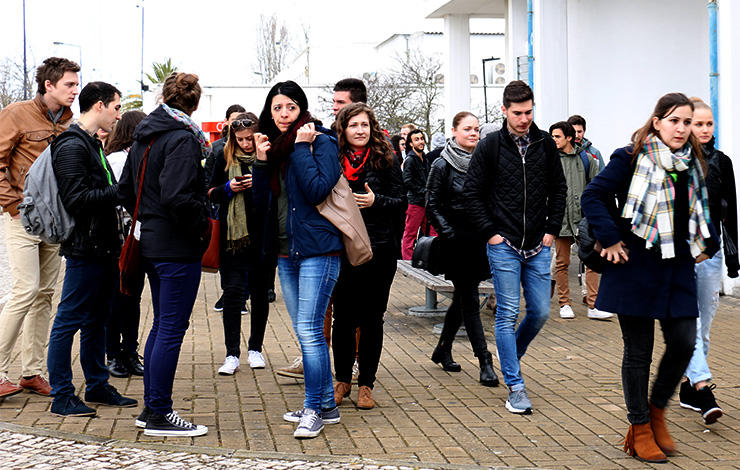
column 586, row 159
column 142, row 172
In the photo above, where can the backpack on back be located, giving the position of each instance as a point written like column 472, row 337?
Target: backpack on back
column 42, row 212
column 586, row 159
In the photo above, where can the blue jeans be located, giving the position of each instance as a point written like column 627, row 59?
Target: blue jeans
column 87, row 294
column 510, row 270
column 307, row 285
column 174, row 287
column 708, row 281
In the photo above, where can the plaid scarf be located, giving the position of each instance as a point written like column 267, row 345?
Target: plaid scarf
column 651, row 195
column 189, row 124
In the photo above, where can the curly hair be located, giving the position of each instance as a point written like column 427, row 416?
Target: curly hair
column 381, row 151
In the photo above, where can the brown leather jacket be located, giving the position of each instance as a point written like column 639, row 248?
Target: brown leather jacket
column 25, row 131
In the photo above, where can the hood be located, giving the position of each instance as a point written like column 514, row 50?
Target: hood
column 156, row 122
column 585, row 144
column 574, row 153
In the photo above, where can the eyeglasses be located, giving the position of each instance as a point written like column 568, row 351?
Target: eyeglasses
column 242, row 123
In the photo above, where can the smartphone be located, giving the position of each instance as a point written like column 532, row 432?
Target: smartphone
column 242, row 178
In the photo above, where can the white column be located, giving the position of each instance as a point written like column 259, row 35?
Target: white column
column 550, row 61
column 729, row 95
column 516, row 36
column 457, row 67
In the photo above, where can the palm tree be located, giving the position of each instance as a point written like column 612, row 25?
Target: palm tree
column 162, row 70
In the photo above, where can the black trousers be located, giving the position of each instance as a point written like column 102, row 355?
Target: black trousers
column 122, row 327
column 464, row 308
column 360, row 301
column 679, row 335
column 236, row 273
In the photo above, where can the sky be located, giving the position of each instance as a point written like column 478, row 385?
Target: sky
column 214, row 39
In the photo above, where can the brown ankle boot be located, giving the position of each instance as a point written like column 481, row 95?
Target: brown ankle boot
column 365, row 398
column 660, row 430
column 640, row 443
column 341, row 390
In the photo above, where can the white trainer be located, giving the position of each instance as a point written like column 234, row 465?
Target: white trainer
column 596, row 314
column 256, row 360
column 566, row 312
column 231, row 364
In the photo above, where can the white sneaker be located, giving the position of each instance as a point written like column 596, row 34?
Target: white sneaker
column 256, row 360
column 566, row 312
column 231, row 364
column 596, row 314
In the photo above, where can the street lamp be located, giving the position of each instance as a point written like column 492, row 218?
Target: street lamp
column 485, row 82
column 79, row 48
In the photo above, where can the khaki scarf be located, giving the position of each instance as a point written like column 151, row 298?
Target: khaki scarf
column 237, row 236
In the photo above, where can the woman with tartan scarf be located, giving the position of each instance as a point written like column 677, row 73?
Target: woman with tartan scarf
column 361, row 294
column 296, row 169
column 654, row 235
column 241, row 262
column 463, row 252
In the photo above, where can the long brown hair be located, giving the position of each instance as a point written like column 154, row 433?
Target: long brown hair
column 122, row 135
column 238, row 125
column 665, row 106
column 381, row 152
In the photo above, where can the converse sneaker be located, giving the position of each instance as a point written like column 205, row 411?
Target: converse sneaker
column 294, row 370
column 231, row 364
column 328, row 416
column 141, row 419
column 700, row 400
column 519, row 403
column 172, row 425
column 310, row 425
column 596, row 314
column 219, row 307
column 256, row 360
column 566, row 312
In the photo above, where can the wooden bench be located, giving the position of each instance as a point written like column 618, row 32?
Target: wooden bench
column 433, row 285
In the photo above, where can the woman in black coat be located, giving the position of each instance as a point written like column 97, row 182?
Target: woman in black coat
column 241, row 262
column 653, row 238
column 463, row 252
column 361, row 293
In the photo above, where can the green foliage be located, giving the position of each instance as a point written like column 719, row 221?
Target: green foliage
column 161, row 71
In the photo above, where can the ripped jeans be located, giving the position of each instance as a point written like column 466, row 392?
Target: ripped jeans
column 708, row 280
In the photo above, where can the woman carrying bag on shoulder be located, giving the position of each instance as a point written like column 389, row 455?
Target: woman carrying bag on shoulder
column 654, row 237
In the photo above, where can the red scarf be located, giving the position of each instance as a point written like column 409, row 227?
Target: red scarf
column 353, row 163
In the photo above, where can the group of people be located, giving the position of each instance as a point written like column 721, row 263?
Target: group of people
column 497, row 206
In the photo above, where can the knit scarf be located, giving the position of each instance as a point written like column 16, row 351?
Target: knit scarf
column 190, row 125
column 651, row 196
column 456, row 156
column 282, row 147
column 237, row 235
column 353, row 163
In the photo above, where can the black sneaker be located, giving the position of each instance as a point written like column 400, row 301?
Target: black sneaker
column 133, row 364
column 70, row 406
column 117, row 368
column 687, row 396
column 219, row 307
column 707, row 405
column 109, row 396
column 172, row 425
column 143, row 417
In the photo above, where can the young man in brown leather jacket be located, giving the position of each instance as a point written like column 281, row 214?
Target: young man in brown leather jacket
column 26, row 129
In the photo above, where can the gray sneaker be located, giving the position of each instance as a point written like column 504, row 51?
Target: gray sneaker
column 328, row 416
column 519, row 403
column 310, row 425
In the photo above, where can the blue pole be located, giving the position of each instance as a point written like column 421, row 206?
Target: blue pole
column 530, row 47
column 713, row 69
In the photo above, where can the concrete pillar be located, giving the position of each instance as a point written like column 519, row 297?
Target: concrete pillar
column 550, row 61
column 457, row 67
column 515, row 35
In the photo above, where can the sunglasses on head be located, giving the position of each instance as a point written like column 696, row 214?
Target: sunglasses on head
column 242, row 123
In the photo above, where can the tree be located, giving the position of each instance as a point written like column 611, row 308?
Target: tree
column 273, row 45
column 11, row 82
column 420, row 74
column 161, row 71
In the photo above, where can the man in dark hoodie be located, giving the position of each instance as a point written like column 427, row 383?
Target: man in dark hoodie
column 87, row 188
column 515, row 194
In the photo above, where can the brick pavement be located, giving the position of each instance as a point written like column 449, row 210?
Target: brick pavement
column 424, row 415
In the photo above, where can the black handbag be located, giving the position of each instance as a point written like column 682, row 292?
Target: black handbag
column 586, row 247
column 426, row 255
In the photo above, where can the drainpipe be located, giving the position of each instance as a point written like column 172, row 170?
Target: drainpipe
column 713, row 70
column 530, row 46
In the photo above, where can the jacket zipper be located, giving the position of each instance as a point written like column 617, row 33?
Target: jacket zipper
column 524, row 174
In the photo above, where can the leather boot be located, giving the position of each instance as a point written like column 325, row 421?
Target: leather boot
column 660, row 430
column 487, row 375
column 443, row 355
column 640, row 444
column 341, row 390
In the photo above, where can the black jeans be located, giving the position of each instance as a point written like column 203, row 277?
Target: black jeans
column 360, row 301
column 464, row 308
column 236, row 273
column 638, row 334
column 122, row 328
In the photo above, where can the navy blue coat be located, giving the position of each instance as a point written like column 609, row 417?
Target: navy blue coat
column 309, row 178
column 647, row 285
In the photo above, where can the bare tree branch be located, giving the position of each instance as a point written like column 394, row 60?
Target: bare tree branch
column 273, row 45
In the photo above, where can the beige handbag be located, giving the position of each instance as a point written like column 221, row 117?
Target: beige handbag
column 340, row 209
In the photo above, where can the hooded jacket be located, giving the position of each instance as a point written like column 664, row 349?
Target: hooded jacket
column 591, row 150
column 575, row 178
column 174, row 208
